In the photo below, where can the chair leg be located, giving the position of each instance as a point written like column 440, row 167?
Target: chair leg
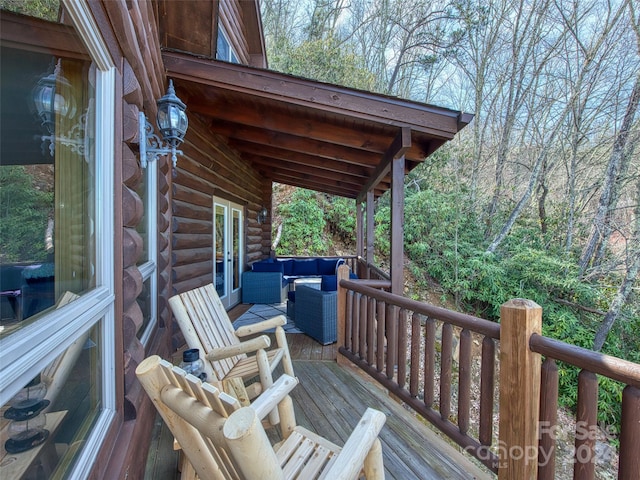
column 373, row 466
column 266, row 380
column 287, row 417
column 281, row 340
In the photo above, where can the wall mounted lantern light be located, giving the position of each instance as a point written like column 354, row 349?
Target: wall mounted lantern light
column 262, row 215
column 172, row 123
column 53, row 98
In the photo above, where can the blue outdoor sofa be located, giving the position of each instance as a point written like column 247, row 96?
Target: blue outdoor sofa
column 268, row 281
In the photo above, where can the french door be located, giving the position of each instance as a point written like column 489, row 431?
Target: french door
column 227, row 250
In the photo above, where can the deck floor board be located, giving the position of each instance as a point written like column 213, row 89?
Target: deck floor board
column 330, row 400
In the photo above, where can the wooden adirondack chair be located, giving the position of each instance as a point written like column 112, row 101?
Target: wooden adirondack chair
column 206, row 326
column 221, row 440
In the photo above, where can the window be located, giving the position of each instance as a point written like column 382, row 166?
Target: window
column 147, row 262
column 224, row 49
column 56, row 247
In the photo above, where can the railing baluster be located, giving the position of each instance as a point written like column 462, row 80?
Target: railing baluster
column 445, row 370
column 414, row 367
column 392, row 340
column 381, row 310
column 402, row 347
column 362, row 328
column 586, row 425
column 429, row 362
column 371, row 331
column 548, row 420
column 464, row 381
column 348, row 344
column 630, row 435
column 487, row 384
column 355, row 323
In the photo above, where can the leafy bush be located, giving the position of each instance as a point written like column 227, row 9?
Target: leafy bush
column 303, row 225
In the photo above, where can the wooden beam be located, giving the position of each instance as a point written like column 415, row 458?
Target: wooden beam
column 397, row 149
column 397, row 226
column 371, row 232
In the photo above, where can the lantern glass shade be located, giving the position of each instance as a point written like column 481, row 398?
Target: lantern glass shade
column 49, row 101
column 172, row 119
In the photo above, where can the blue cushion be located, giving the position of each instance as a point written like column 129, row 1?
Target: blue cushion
column 288, row 266
column 305, row 267
column 353, row 275
column 266, row 266
column 327, row 266
column 329, row 283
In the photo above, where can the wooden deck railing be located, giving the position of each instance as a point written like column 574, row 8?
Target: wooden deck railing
column 443, row 365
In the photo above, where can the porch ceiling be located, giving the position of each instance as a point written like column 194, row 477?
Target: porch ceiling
column 310, row 134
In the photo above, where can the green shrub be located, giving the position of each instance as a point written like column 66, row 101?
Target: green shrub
column 24, row 216
column 303, row 225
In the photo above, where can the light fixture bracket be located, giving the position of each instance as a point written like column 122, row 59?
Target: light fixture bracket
column 151, row 146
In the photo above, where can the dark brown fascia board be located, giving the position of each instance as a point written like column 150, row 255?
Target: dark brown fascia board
column 436, row 121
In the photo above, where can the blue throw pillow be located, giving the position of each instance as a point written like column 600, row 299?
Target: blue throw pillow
column 288, row 266
column 267, row 267
column 327, row 266
column 329, row 283
column 305, row 267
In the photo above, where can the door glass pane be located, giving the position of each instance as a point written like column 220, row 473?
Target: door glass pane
column 220, row 249
column 44, row 425
column 47, row 182
column 235, row 267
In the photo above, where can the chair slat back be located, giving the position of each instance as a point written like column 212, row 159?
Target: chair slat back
column 205, row 325
column 194, row 412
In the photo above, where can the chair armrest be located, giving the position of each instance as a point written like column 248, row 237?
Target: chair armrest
column 351, row 458
column 261, row 326
column 272, row 396
column 252, row 345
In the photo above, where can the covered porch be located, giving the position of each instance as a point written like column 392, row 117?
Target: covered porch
column 329, row 400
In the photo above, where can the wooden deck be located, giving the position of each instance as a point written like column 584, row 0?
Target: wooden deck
column 330, row 400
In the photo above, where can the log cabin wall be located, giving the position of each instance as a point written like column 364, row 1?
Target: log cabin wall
column 184, row 197
column 131, row 30
column 209, row 167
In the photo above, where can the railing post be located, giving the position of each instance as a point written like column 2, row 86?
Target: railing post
column 630, row 434
column 343, row 274
column 519, row 390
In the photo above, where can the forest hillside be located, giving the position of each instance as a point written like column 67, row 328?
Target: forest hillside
column 538, row 197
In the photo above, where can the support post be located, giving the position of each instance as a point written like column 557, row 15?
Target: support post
column 397, row 225
column 370, row 229
column 343, row 274
column 359, row 230
column 519, row 390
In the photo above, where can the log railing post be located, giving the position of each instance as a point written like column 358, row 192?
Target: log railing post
column 519, row 390
column 343, row 274
column 630, row 434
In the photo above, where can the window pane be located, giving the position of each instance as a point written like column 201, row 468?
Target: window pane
column 144, row 301
column 44, row 425
column 46, row 182
column 220, row 248
column 142, row 228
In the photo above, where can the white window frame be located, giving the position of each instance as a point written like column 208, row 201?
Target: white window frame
column 233, row 56
column 149, row 268
column 31, row 348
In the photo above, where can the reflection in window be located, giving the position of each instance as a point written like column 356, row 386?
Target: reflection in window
column 220, row 248
column 144, row 301
column 224, row 49
column 44, row 425
column 46, row 182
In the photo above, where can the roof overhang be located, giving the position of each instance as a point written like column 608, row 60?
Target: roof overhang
column 310, row 134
